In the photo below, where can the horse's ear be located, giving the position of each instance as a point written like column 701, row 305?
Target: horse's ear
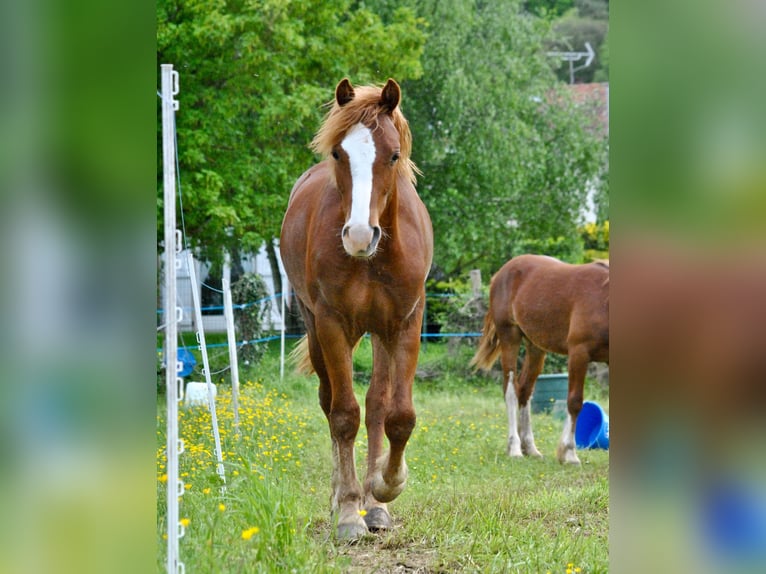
column 344, row 92
column 390, row 96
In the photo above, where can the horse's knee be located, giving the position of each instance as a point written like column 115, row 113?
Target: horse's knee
column 399, row 425
column 344, row 424
column 574, row 404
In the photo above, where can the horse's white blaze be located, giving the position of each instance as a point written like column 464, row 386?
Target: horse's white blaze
column 360, row 147
column 511, row 406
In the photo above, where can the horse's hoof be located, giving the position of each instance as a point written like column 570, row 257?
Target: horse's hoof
column 377, row 519
column 513, row 449
column 568, row 457
column 351, row 531
column 534, row 453
column 384, row 492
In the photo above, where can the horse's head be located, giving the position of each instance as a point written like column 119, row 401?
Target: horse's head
column 367, row 149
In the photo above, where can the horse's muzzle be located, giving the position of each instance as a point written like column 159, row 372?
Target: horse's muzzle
column 360, row 240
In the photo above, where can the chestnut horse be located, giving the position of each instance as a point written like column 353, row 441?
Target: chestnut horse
column 553, row 307
column 357, row 245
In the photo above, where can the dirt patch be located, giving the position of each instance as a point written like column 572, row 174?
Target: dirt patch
column 376, row 556
column 381, row 553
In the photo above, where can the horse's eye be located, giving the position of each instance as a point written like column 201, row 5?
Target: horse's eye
column 335, row 155
column 394, row 158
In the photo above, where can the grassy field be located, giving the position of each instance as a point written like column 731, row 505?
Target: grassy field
column 467, row 507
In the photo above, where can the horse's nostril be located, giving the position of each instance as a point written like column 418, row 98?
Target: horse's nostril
column 344, row 231
column 375, row 235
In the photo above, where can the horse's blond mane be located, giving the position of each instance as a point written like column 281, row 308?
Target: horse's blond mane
column 365, row 108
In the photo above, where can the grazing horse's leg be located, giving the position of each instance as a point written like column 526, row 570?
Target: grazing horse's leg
column 510, row 341
column 377, row 405
column 390, row 476
column 343, row 417
column 578, row 365
column 530, row 370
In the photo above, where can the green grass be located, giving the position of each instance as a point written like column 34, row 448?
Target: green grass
column 467, row 507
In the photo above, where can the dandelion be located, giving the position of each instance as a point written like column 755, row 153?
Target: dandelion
column 185, row 522
column 206, row 490
column 362, row 512
column 248, row 534
column 164, row 478
column 221, row 506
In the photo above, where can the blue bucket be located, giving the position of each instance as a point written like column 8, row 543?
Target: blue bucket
column 187, row 361
column 592, row 429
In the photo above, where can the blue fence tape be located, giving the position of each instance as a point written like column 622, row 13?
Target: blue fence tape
column 274, row 297
column 291, row 336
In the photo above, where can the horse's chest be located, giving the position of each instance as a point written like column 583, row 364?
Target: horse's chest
column 372, row 298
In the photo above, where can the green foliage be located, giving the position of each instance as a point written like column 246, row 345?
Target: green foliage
column 595, row 236
column 250, row 290
column 548, row 8
column 461, row 311
column 567, row 249
column 253, row 77
column 506, row 161
column 504, row 155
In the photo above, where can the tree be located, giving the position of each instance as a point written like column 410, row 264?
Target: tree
column 253, row 76
column 505, row 159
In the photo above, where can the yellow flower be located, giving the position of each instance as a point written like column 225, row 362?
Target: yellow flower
column 164, row 478
column 221, row 507
column 206, row 491
column 362, row 512
column 248, row 534
column 184, row 522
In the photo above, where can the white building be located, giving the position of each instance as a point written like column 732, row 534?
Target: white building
column 212, row 318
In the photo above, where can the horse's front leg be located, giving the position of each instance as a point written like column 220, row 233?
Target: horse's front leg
column 343, row 418
column 390, row 473
column 578, row 365
column 376, row 410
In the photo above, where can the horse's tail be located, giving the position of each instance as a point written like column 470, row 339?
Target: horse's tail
column 489, row 346
column 300, row 359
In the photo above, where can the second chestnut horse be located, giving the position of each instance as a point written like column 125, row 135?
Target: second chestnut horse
column 553, row 307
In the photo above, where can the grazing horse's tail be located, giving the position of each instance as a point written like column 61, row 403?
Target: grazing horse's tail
column 300, row 359
column 489, row 346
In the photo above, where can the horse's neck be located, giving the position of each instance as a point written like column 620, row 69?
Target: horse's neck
column 389, row 219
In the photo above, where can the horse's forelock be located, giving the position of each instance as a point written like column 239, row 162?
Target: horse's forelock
column 364, row 108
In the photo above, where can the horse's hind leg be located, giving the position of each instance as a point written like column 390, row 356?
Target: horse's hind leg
column 578, row 366
column 530, row 370
column 510, row 341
